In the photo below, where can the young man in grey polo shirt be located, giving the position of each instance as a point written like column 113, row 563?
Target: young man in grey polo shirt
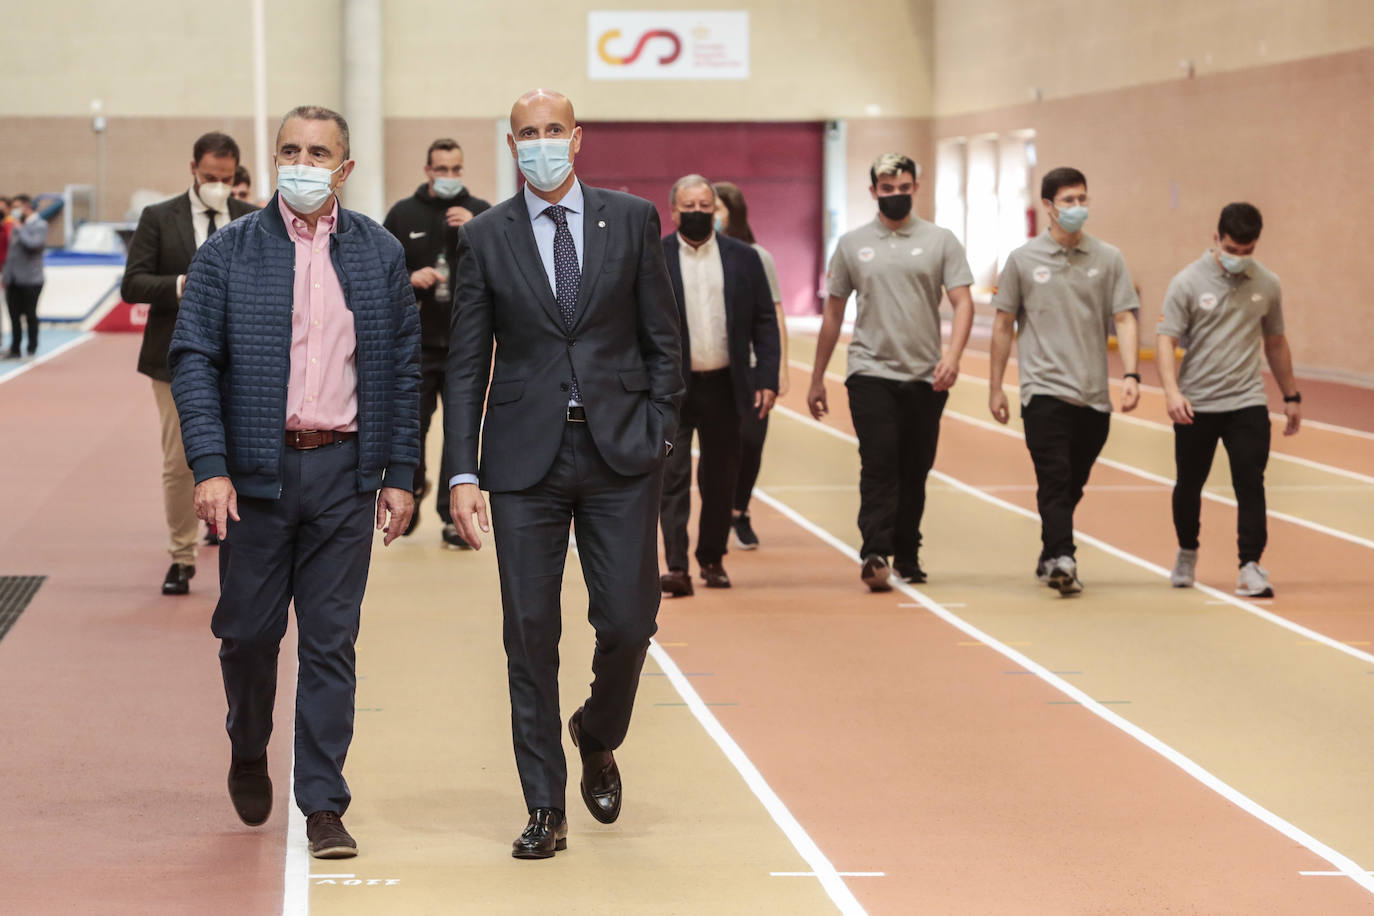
column 1225, row 307
column 1061, row 289
column 898, row 379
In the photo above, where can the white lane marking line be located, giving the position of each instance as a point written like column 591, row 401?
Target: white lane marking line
column 1346, row 865
column 51, row 354
column 295, row 900
column 1152, row 424
column 812, row 874
column 333, row 876
column 1157, row 478
column 830, row 879
column 909, row 604
column 1327, row 874
column 1249, row 607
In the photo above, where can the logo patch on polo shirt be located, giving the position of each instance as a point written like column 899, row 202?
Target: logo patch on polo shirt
column 865, row 254
column 1041, row 274
column 1093, row 271
column 1207, row 301
column 1256, row 298
column 916, row 252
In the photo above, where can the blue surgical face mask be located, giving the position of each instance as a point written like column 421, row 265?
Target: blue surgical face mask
column 719, row 224
column 305, row 188
column 1234, row 263
column 1071, row 219
column 447, row 188
column 545, row 163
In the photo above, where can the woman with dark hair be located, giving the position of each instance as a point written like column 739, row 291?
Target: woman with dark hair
column 732, row 219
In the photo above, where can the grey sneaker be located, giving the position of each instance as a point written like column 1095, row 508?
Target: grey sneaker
column 1185, row 569
column 1064, row 576
column 1042, row 572
column 1253, row 582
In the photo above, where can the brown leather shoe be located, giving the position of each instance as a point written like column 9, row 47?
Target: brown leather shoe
column 715, row 576
column 600, row 783
column 250, row 789
column 545, row 834
column 328, row 838
column 676, row 582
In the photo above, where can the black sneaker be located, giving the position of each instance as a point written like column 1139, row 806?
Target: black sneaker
column 875, row 573
column 453, row 540
column 745, row 538
column 910, row 570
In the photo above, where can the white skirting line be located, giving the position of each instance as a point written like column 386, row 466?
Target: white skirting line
column 830, row 879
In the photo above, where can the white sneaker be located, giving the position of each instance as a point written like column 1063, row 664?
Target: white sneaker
column 1064, row 576
column 1185, row 569
column 1253, row 582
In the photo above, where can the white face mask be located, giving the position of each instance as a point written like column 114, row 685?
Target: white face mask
column 305, row 188
column 214, row 194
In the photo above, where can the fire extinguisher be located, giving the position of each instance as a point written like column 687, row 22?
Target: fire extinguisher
column 1031, row 220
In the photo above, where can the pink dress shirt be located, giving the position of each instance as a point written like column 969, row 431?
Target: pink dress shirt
column 323, row 389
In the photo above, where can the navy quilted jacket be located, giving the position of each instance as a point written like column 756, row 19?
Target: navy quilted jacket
column 230, row 355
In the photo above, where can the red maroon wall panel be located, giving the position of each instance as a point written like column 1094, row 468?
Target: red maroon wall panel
column 776, row 165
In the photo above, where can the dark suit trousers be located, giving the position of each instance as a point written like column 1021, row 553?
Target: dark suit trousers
column 614, row 518
column 22, row 302
column 898, row 428
column 709, row 410
column 752, row 432
column 431, row 387
column 313, row 545
column 1064, row 440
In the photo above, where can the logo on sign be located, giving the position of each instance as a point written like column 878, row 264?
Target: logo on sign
column 866, row 254
column 614, row 60
column 1207, row 301
column 1041, row 274
column 138, row 314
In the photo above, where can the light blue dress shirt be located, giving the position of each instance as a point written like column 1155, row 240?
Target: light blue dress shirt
column 544, row 229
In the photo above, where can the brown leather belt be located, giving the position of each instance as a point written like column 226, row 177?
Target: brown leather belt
column 304, row 439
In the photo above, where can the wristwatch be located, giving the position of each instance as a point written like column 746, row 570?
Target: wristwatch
column 1134, row 375
column 1294, row 398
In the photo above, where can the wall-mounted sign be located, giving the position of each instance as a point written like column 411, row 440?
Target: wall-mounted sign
column 668, row 45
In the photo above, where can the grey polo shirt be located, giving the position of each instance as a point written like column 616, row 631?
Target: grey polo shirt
column 1063, row 301
column 900, row 277
column 1221, row 319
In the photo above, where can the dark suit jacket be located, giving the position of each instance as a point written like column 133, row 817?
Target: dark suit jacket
column 161, row 250
column 624, row 345
column 750, row 317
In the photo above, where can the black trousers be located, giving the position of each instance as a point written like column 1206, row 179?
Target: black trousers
column 614, row 518
column 752, row 432
column 898, row 426
column 1245, row 433
column 431, row 388
column 1064, row 440
column 709, row 410
column 21, row 301
column 311, row 545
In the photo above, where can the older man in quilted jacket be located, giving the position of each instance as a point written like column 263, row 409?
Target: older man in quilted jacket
column 295, row 369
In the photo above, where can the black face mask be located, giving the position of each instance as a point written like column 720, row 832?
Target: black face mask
column 696, row 225
column 895, row 207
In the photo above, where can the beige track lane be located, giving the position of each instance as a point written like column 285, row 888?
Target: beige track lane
column 437, row 800
column 1273, row 717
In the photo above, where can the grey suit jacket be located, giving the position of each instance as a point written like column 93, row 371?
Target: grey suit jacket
column 161, row 250
column 625, row 345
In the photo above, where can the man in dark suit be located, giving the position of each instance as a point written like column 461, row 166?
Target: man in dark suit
column 568, row 282
column 160, row 254
column 725, row 306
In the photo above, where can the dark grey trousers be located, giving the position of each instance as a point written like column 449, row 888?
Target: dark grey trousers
column 313, row 545
column 615, row 519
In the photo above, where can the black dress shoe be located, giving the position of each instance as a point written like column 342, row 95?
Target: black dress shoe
column 714, row 575
column 545, row 834
column 178, row 579
column 250, row 789
column 875, row 573
column 676, row 582
column 600, row 782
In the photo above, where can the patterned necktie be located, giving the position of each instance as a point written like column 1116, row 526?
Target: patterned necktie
column 210, row 229
column 566, row 274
